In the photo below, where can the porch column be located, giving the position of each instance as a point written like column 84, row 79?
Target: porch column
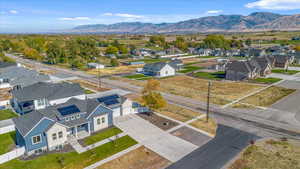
column 76, row 131
column 89, row 128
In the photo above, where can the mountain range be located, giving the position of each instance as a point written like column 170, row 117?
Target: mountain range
column 258, row 21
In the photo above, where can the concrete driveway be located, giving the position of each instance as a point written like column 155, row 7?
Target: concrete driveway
column 282, row 76
column 157, row 140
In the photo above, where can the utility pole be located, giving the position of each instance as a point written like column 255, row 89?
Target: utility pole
column 99, row 79
column 208, row 101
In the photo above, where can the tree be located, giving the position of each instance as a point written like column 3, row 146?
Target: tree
column 157, row 40
column 216, row 41
column 181, row 44
column 123, row 49
column 111, row 50
column 31, row 53
column 151, row 98
column 248, row 42
column 297, row 48
column 114, row 62
column 54, row 53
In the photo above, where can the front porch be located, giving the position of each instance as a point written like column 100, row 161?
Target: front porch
column 80, row 131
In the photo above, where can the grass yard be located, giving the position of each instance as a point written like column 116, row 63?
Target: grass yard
column 178, row 113
column 7, row 142
column 137, row 159
column 270, row 154
column 268, row 80
column 207, row 75
column 202, row 124
column 188, row 69
column 283, row 71
column 138, row 77
column 72, row 160
column 268, row 96
column 87, row 91
column 7, row 114
column 101, row 135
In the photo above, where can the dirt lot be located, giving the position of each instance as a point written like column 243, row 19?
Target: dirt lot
column 138, row 159
column 273, row 154
column 114, row 70
column 210, row 126
column 4, row 94
column 268, row 97
column 158, row 121
column 222, row 92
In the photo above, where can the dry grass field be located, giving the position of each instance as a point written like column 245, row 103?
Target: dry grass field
column 210, row 126
column 222, row 92
column 137, row 159
column 113, row 70
column 89, row 85
column 268, row 97
column 270, row 154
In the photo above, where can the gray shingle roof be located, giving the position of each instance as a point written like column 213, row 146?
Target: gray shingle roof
column 50, row 91
column 154, row 67
column 26, row 122
column 6, row 64
column 240, row 66
column 22, row 76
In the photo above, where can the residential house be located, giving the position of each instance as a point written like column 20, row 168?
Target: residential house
column 263, row 65
column 159, row 69
column 281, row 61
column 19, row 76
column 203, row 52
column 95, row 66
column 177, row 64
column 41, row 95
column 241, row 70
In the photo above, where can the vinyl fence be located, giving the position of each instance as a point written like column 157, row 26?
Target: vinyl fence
column 12, row 155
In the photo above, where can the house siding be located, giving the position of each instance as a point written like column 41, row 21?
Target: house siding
column 19, row 139
column 38, row 130
column 99, row 112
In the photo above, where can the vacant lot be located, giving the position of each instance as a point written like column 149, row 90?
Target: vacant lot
column 221, row 92
column 188, row 69
column 271, row 154
column 7, row 142
column 160, row 122
column 114, row 70
column 268, row 96
column 7, row 114
column 178, row 113
column 283, row 71
column 89, row 85
column 139, row 77
column 138, row 159
column 72, row 160
column 202, row 124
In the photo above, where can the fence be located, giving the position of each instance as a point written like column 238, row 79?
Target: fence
column 12, row 155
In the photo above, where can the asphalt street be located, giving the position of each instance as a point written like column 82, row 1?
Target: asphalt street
column 216, row 153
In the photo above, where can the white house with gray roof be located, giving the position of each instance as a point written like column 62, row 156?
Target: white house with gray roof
column 43, row 94
column 159, row 69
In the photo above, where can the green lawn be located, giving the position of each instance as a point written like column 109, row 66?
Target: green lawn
column 7, row 142
column 287, row 72
column 87, row 91
column 102, row 135
column 188, row 69
column 207, row 75
column 72, row 160
column 268, row 80
column 7, row 114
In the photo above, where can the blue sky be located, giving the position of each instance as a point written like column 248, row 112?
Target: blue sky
column 50, row 15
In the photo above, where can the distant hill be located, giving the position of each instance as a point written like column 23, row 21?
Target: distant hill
column 257, row 21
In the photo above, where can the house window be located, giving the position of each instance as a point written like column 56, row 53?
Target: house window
column 36, row 139
column 60, row 134
column 73, row 118
column 98, row 121
column 67, row 118
column 41, row 102
column 78, row 116
column 103, row 119
column 54, row 136
column 167, row 72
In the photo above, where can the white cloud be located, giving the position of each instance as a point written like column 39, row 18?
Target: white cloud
column 13, row 12
column 123, row 15
column 74, row 18
column 214, row 11
column 275, row 4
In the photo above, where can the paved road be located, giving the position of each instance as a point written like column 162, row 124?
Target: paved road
column 216, row 153
column 152, row 137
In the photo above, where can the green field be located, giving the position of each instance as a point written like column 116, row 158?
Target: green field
column 7, row 114
column 188, row 69
column 268, row 80
column 283, row 71
column 72, row 160
column 87, row 91
column 102, row 135
column 7, row 142
column 207, row 75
